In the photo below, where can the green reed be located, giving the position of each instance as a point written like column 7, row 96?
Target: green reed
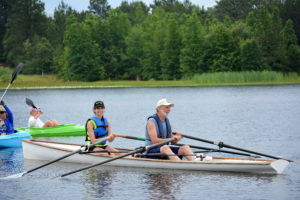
column 245, row 77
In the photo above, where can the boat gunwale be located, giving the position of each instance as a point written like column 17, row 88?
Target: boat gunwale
column 264, row 161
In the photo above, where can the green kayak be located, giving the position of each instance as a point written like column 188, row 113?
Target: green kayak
column 57, row 131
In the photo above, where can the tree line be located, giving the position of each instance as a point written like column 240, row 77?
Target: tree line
column 167, row 40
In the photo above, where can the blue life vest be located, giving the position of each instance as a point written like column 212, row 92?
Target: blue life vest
column 100, row 129
column 160, row 126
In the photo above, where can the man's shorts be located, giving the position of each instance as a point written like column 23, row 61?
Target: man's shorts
column 157, row 150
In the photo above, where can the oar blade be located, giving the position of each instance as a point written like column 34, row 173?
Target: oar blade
column 16, row 72
column 19, row 175
column 29, row 102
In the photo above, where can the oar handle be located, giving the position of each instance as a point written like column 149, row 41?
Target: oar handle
column 130, row 137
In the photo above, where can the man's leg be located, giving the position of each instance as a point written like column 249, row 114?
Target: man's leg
column 167, row 150
column 186, row 150
column 47, row 124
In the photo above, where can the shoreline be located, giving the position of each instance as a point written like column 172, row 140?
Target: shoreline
column 31, row 82
column 170, row 85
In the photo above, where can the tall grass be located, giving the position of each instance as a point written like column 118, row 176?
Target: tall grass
column 245, row 77
column 225, row 78
column 5, row 74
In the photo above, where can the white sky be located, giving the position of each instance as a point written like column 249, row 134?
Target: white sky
column 80, row 5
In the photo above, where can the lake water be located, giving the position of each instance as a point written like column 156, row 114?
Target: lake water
column 264, row 119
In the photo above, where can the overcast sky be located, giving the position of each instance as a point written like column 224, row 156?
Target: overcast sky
column 80, row 5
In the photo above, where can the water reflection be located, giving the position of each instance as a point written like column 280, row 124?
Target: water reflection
column 9, row 161
column 258, row 118
column 99, row 183
column 164, row 186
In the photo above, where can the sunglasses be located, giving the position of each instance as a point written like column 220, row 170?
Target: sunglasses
column 2, row 112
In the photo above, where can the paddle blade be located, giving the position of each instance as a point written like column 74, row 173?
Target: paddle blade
column 29, row 102
column 16, row 72
column 19, row 175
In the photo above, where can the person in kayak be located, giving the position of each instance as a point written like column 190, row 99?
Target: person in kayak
column 98, row 128
column 158, row 129
column 6, row 120
column 35, row 122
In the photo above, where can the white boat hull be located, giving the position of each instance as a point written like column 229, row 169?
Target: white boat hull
column 42, row 150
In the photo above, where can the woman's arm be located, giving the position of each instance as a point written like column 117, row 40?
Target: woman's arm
column 111, row 135
column 10, row 115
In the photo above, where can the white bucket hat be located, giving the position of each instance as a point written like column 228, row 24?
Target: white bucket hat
column 163, row 102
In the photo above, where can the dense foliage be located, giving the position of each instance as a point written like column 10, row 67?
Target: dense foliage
column 167, row 40
column 5, row 74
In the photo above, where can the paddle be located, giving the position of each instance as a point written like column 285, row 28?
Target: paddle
column 30, row 103
column 192, row 146
column 58, row 159
column 13, row 77
column 221, row 144
column 137, row 150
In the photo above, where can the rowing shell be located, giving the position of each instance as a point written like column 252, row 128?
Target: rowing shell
column 45, row 150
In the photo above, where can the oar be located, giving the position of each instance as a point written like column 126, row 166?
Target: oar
column 216, row 150
column 58, row 159
column 13, row 77
column 221, row 144
column 192, row 146
column 138, row 150
column 130, row 137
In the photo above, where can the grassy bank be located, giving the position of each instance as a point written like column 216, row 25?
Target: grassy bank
column 213, row 79
column 245, row 77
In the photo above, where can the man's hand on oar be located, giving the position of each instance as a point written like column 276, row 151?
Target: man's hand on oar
column 221, row 144
column 138, row 150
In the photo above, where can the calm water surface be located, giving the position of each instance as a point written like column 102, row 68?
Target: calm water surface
column 265, row 119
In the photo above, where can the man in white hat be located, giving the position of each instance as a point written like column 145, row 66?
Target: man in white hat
column 159, row 129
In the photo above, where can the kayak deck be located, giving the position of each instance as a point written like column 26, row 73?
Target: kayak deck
column 57, row 131
column 13, row 140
